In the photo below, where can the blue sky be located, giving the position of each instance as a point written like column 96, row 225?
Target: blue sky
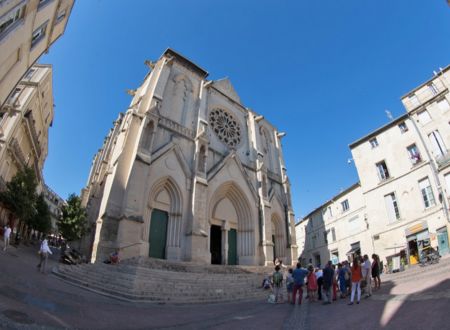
column 322, row 71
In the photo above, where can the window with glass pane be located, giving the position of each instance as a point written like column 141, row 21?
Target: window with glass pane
column 438, row 146
column 383, row 172
column 7, row 21
column 345, row 205
column 433, row 89
column 414, row 154
column 427, row 192
column 414, row 100
column 403, row 127
column 333, row 234
column 38, row 34
column 424, row 117
column 373, row 142
column 443, row 105
column 392, row 207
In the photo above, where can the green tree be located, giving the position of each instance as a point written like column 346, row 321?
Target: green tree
column 72, row 223
column 20, row 195
column 41, row 221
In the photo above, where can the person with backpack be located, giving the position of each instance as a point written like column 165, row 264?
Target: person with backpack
column 277, row 279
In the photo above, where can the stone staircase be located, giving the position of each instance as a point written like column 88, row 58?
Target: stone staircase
column 152, row 280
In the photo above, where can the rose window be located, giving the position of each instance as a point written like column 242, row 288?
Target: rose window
column 226, row 127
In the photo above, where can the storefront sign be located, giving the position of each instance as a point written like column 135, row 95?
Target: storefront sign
column 416, row 228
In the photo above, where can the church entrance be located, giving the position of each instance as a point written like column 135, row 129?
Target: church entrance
column 232, row 247
column 158, row 234
column 216, row 245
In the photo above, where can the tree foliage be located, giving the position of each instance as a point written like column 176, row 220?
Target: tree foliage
column 42, row 220
column 72, row 223
column 20, row 195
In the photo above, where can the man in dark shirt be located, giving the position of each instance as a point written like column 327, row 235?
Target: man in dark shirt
column 328, row 275
column 299, row 275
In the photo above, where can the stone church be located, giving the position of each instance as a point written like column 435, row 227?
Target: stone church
column 188, row 173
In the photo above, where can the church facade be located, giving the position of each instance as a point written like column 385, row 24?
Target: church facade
column 188, row 173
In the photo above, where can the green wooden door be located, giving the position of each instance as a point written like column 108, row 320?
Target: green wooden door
column 443, row 242
column 232, row 247
column 158, row 234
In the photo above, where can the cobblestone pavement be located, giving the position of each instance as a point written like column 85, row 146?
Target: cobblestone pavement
column 418, row 298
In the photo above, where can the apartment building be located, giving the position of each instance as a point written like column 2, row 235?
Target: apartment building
column 24, row 124
column 336, row 230
column 55, row 204
column 27, row 30
column 404, row 188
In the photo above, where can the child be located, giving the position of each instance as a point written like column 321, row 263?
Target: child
column 266, row 283
column 312, row 283
column 289, row 285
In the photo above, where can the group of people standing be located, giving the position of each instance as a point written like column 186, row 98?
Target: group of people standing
column 324, row 284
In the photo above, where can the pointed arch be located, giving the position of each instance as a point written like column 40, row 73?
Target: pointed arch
column 246, row 231
column 280, row 236
column 165, row 195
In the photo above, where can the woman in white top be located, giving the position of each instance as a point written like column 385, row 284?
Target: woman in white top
column 43, row 252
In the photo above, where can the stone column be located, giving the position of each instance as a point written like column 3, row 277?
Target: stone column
column 225, row 229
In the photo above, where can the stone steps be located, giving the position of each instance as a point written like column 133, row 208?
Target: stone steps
column 141, row 283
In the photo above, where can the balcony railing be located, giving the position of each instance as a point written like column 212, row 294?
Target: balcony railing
column 443, row 160
column 33, row 134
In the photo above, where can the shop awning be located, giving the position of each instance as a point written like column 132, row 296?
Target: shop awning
column 353, row 250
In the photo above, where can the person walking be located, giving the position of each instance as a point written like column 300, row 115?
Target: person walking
column 366, row 268
column 299, row 275
column 44, row 251
column 356, row 281
column 6, row 236
column 376, row 267
column 328, row 274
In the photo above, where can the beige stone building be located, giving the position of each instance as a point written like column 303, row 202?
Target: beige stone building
column 404, row 171
column 336, row 230
column 189, row 173
column 55, row 204
column 27, row 29
column 24, row 123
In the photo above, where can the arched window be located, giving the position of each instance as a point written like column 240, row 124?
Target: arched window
column 202, row 160
column 148, row 136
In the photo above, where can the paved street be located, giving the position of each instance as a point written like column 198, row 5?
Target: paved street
column 418, row 298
